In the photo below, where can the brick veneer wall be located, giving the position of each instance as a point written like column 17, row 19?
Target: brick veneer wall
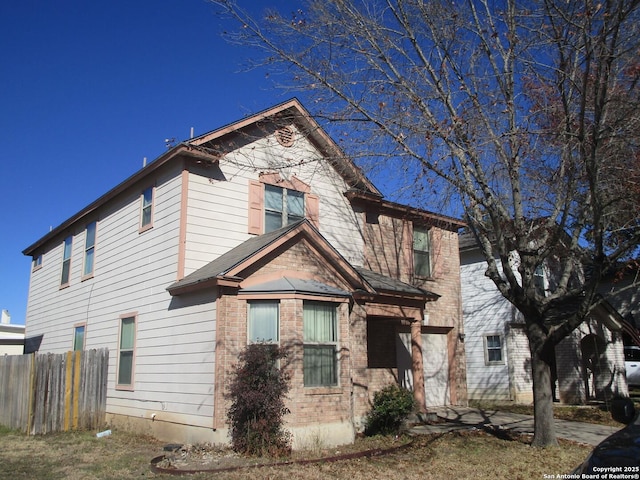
column 351, row 399
column 389, row 250
column 308, row 406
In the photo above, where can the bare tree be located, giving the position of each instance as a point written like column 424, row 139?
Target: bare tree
column 525, row 113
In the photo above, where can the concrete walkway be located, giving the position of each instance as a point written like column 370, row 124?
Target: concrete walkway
column 456, row 418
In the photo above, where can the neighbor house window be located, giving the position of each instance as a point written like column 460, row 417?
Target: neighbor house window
column 264, row 322
column 421, row 253
column 282, row 207
column 493, row 349
column 66, row 261
column 78, row 337
column 146, row 212
column 37, row 262
column 126, row 349
column 89, row 249
column 320, row 362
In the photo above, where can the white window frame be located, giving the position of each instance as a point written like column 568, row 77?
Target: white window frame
column 147, row 201
column 488, row 348
column 89, row 251
column 67, row 250
column 76, row 328
column 314, row 343
column 252, row 306
column 286, row 217
column 128, row 350
column 421, row 252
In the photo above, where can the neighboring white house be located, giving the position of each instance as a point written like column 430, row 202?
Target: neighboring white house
column 589, row 362
column 11, row 336
column 256, row 231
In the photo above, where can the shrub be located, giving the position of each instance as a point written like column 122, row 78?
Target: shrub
column 257, row 391
column 391, row 406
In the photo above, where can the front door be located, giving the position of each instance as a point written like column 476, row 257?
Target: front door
column 435, row 362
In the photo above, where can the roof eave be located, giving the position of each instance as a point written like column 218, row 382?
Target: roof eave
column 314, row 132
column 181, row 150
column 415, row 214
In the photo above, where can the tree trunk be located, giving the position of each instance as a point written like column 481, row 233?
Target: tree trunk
column 544, row 426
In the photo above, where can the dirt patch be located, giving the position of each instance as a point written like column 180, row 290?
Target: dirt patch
column 191, row 459
column 474, row 453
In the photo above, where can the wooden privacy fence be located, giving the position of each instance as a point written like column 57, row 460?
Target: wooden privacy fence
column 43, row 393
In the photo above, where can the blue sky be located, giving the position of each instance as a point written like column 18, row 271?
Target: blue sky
column 88, row 89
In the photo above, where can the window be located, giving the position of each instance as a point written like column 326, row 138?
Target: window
column 421, row 253
column 66, row 261
column 493, row 349
column 78, row 338
column 125, row 351
column 37, row 262
column 264, row 322
column 381, row 344
column 538, row 280
column 146, row 212
column 89, row 249
column 320, row 361
column 282, row 206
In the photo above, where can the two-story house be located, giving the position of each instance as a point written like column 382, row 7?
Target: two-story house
column 589, row 363
column 260, row 231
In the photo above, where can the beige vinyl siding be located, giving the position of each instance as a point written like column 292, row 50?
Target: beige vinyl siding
column 485, row 312
column 132, row 271
column 218, row 200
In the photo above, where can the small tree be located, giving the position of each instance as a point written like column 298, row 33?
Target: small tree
column 391, row 406
column 258, row 391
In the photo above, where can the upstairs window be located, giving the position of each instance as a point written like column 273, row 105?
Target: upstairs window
column 37, row 262
column 320, row 357
column 66, row 261
column 421, row 253
column 89, row 249
column 264, row 322
column 146, row 209
column 282, row 207
column 275, row 202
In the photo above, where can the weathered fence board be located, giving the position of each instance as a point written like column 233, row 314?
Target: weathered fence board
column 45, row 393
column 15, row 390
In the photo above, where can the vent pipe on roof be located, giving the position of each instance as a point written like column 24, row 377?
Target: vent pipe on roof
column 144, row 162
column 6, row 317
column 191, row 133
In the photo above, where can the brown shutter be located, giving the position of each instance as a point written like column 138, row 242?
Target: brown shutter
column 256, row 201
column 313, row 209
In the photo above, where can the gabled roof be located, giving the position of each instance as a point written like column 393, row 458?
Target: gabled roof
column 227, row 269
column 229, row 266
column 292, row 111
column 198, row 149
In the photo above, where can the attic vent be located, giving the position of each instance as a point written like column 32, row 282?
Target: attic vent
column 285, row 136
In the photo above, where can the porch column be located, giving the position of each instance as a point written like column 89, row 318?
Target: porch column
column 416, row 365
